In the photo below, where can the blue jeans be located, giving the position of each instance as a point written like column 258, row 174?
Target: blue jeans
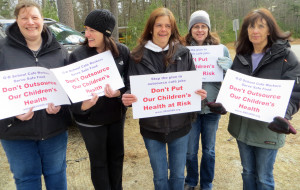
column 206, row 125
column 30, row 159
column 160, row 163
column 258, row 166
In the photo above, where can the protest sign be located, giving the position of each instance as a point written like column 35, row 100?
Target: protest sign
column 88, row 76
column 256, row 98
column 205, row 59
column 165, row 94
column 29, row 87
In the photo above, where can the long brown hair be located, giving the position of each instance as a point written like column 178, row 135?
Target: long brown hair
column 175, row 38
column 243, row 44
column 211, row 39
column 109, row 44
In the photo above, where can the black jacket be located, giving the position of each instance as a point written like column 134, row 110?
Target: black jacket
column 169, row 127
column 14, row 53
column 106, row 110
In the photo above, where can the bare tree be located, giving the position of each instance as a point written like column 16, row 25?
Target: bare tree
column 114, row 10
column 169, row 4
column 179, row 2
column 65, row 12
column 90, row 5
column 188, row 10
column 43, row 4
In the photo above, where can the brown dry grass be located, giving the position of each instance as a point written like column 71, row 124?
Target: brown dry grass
column 137, row 170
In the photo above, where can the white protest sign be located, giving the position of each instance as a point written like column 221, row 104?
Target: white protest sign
column 205, row 59
column 256, row 98
column 166, row 94
column 88, row 76
column 29, row 87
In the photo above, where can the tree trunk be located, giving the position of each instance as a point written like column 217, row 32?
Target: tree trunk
column 43, row 4
column 188, row 10
column 115, row 12
column 90, row 5
column 65, row 12
column 180, row 11
column 169, row 4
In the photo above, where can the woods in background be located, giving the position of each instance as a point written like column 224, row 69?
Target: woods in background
column 132, row 13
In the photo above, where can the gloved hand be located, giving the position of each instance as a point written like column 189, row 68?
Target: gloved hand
column 216, row 108
column 224, row 62
column 281, row 125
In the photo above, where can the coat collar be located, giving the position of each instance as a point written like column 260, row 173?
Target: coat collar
column 153, row 47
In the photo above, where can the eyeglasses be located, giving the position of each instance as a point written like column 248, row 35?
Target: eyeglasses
column 198, row 27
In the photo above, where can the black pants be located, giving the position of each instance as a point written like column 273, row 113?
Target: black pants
column 105, row 145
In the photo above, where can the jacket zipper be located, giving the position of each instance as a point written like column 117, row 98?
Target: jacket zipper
column 155, row 72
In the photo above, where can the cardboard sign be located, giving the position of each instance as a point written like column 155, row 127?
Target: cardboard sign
column 256, row 98
column 205, row 59
column 88, row 76
column 166, row 94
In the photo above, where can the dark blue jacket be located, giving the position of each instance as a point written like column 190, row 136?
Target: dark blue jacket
column 14, row 54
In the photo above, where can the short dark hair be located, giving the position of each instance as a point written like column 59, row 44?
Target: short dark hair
column 243, row 44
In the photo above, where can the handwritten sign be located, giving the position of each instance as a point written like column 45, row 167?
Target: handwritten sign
column 29, row 87
column 166, row 94
column 88, row 76
column 205, row 59
column 256, row 98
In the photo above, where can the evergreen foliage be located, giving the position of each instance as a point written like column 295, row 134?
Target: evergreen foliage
column 6, row 9
column 49, row 10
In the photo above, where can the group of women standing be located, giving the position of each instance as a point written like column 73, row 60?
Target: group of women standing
column 35, row 142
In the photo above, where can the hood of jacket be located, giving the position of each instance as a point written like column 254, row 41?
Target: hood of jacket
column 16, row 38
column 276, row 50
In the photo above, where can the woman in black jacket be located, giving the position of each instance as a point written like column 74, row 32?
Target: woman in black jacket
column 101, row 119
column 35, row 143
column 160, row 51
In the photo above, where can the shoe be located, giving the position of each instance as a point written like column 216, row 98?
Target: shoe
column 187, row 187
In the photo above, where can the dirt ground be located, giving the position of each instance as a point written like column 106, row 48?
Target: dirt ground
column 138, row 175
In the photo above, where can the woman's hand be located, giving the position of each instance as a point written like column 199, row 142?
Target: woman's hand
column 128, row 99
column 87, row 104
column 52, row 109
column 202, row 93
column 26, row 116
column 110, row 93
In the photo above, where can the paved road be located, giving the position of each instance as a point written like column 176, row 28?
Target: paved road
column 296, row 49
